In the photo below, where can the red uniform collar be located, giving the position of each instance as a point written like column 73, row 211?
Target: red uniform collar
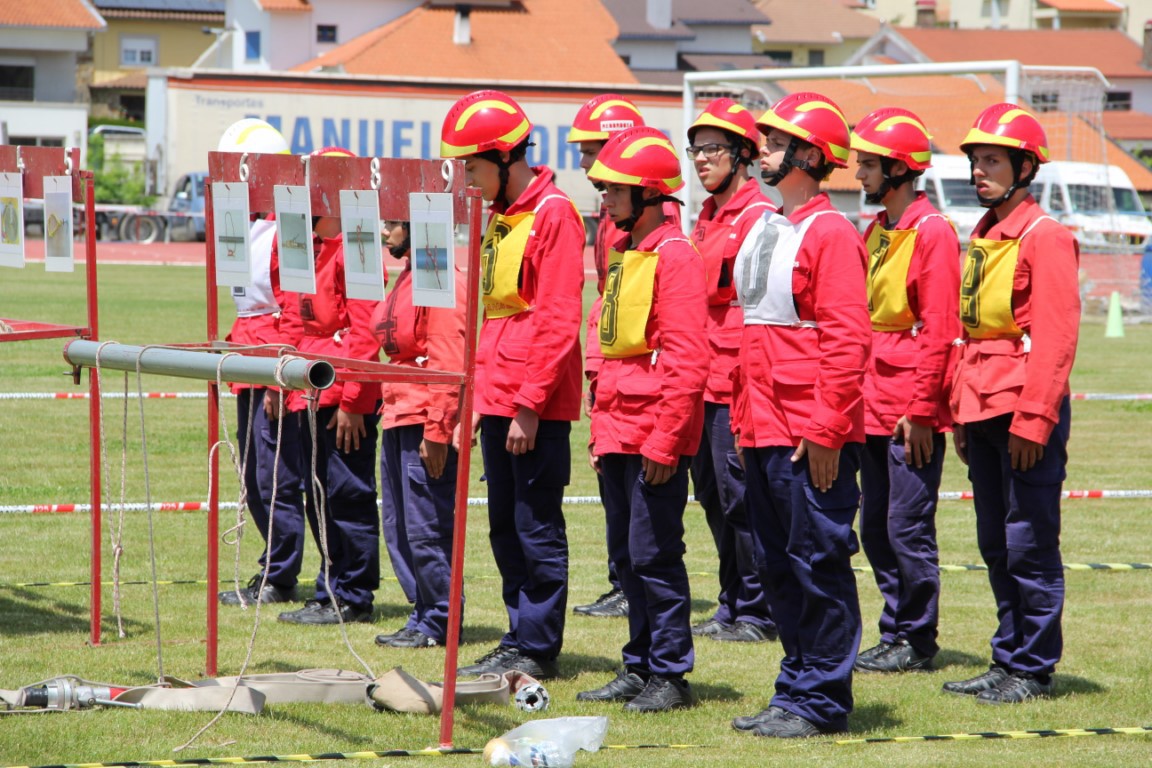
column 817, row 204
column 1013, row 227
column 916, row 210
column 537, row 189
column 744, row 196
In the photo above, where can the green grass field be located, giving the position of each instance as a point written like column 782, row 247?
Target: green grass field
column 1103, row 680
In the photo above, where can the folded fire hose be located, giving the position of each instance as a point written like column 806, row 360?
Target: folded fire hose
column 396, row 691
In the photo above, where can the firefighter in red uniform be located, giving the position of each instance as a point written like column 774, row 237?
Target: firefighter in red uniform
column 799, row 414
column 261, row 319
column 417, row 461
column 1020, row 308
column 913, row 292
column 593, row 125
column 342, row 427
column 647, row 415
column 527, row 371
column 724, row 143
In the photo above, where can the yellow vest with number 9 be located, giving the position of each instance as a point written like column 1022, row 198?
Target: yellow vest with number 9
column 501, row 256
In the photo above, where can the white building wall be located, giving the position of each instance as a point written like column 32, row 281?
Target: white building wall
column 288, row 39
column 15, row 38
column 291, row 40
column 648, row 54
column 993, row 14
column 64, row 122
column 244, row 16
column 56, row 77
column 725, row 39
column 1141, row 92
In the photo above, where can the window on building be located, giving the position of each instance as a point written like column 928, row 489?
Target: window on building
column 816, row 58
column 138, row 51
column 780, row 57
column 325, row 33
column 994, row 9
column 252, row 46
column 17, row 82
column 35, row 141
column 1118, row 101
column 132, row 107
column 1045, row 101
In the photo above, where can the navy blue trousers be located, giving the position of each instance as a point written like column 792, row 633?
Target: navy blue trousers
column 1018, row 530
column 718, row 481
column 527, row 532
column 417, row 515
column 353, row 521
column 898, row 533
column 283, row 532
column 646, row 542
column 807, row 542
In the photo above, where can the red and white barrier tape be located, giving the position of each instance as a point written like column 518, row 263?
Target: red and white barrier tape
column 107, row 395
column 202, row 395
column 474, row 501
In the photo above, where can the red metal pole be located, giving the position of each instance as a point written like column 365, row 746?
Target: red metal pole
column 213, row 437
column 456, row 588
column 95, row 467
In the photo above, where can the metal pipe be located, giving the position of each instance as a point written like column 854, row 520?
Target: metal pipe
column 296, row 373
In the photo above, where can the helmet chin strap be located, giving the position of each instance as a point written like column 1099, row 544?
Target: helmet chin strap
column 1016, row 157
column 786, row 166
column 737, row 161
column 890, row 182
column 493, row 156
column 639, row 203
column 788, row 163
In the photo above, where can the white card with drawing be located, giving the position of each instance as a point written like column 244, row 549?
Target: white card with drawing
column 58, row 244
column 12, row 220
column 433, row 250
column 363, row 250
column 232, row 240
column 294, row 238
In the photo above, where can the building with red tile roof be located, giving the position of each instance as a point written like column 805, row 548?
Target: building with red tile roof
column 55, row 14
column 539, row 40
column 1117, row 57
column 793, row 39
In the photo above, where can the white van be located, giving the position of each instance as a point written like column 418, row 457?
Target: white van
column 947, row 187
column 1098, row 203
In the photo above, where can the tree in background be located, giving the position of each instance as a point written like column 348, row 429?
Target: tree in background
column 116, row 181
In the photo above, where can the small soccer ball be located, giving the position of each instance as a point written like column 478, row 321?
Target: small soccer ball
column 532, row 698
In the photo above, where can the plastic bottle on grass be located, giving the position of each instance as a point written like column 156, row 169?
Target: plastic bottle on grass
column 551, row 743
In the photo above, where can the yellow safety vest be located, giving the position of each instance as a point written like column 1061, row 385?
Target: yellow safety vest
column 501, row 257
column 986, row 289
column 627, row 303
column 890, row 254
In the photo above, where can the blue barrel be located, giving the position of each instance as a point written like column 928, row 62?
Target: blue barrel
column 1146, row 279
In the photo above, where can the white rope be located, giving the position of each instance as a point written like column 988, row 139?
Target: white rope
column 320, row 501
column 151, row 521
column 116, row 532
column 249, row 452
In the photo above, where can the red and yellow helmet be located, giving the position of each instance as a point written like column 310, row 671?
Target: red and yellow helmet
column 813, row 118
column 727, row 115
column 895, row 133
column 1007, row 125
column 253, row 135
column 639, row 157
column 603, row 116
column 333, row 152
column 481, row 121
